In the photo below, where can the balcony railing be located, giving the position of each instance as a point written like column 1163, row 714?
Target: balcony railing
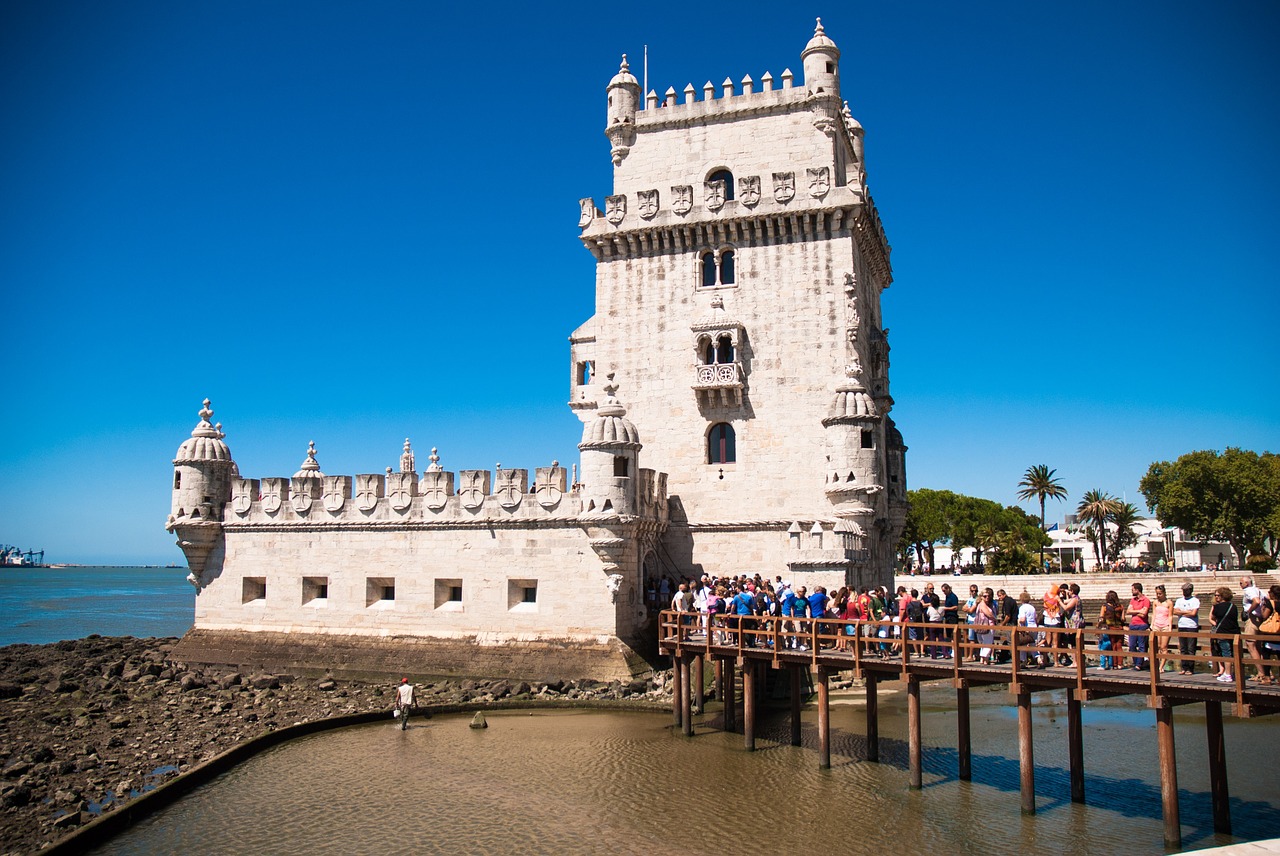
column 718, row 383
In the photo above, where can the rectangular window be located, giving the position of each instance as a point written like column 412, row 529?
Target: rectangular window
column 522, row 595
column 380, row 592
column 620, row 469
column 585, row 369
column 315, row 591
column 253, row 590
column 177, row 480
column 448, row 594
column 868, row 440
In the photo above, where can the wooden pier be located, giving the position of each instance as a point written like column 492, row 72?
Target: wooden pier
column 943, row 652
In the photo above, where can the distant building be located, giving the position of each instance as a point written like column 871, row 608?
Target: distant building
column 733, row 386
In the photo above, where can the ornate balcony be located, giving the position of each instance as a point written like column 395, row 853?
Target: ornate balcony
column 718, row 384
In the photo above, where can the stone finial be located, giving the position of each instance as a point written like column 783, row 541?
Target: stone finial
column 747, row 85
column 671, row 96
column 651, row 99
column 766, row 82
column 690, row 94
column 623, row 68
column 310, row 468
column 407, row 462
column 717, row 301
column 434, row 466
column 817, row 31
column 610, row 387
column 727, row 87
column 204, row 428
column 788, row 79
column 708, row 91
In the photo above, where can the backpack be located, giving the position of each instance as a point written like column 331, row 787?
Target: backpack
column 915, row 611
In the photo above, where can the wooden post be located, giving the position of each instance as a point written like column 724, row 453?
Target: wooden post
column 914, row 750
column 962, row 732
column 749, row 674
column 1217, row 767
column 676, row 690
column 824, row 720
column 873, row 720
column 796, row 688
column 1168, row 777
column 686, row 699
column 1026, row 756
column 730, row 696
column 718, row 666
column 699, row 687
column 1075, row 746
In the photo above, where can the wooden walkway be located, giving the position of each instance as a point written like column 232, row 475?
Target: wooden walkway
column 934, row 652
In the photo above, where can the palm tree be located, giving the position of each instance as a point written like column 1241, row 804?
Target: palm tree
column 1038, row 483
column 1097, row 507
column 1125, row 517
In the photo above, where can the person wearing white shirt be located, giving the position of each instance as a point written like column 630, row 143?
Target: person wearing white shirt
column 1186, row 610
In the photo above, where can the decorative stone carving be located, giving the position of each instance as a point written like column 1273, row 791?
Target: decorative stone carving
column 512, row 486
column 615, row 208
column 303, row 492
column 402, row 487
column 682, row 199
column 370, row 488
column 819, row 181
column 587, row 209
column 243, row 493
column 549, row 485
column 273, row 492
column 713, row 194
column 407, row 462
column 475, row 487
column 337, row 490
column 436, row 486
column 647, row 203
column 749, row 190
column 784, row 186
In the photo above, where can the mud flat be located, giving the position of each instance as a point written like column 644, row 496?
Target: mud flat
column 89, row 724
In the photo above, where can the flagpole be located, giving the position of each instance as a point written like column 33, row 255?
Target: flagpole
column 645, row 95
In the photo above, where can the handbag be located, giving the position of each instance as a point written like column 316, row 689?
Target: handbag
column 1272, row 624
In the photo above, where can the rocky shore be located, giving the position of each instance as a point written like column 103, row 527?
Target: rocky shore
column 89, row 724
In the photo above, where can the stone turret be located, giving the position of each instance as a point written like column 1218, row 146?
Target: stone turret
column 610, row 452
column 202, row 474
column 821, row 60
column 624, row 101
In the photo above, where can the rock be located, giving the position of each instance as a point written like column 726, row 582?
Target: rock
column 41, row 755
column 8, row 690
column 120, row 721
column 478, row 721
column 17, row 797
column 191, row 682
column 68, row 820
column 327, row 686
column 17, row 768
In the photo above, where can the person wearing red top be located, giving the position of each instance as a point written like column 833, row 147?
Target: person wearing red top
column 1139, row 614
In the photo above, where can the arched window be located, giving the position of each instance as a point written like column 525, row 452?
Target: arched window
column 720, row 444
column 726, row 267
column 710, row 357
column 727, row 177
column 708, row 270
column 724, row 350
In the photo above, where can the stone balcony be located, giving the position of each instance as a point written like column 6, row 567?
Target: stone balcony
column 718, row 384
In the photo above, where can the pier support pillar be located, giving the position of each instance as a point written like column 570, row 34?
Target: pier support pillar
column 1217, row 767
column 699, row 686
column 1168, row 777
column 797, row 687
column 1026, row 756
column 677, row 693
column 873, row 720
column 686, row 699
column 962, row 733
column 750, row 674
column 730, row 696
column 914, row 750
column 718, row 665
column 1075, row 746
column 824, row 719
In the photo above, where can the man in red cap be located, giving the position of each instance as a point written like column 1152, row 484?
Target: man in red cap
column 404, row 701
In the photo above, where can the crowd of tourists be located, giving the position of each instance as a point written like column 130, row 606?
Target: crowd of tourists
column 1041, row 629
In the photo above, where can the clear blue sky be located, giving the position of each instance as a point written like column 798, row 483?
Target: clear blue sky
column 353, row 223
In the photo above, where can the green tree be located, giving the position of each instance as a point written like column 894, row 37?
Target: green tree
column 1097, row 507
column 1124, row 518
column 1038, row 482
column 1233, row 496
column 929, row 520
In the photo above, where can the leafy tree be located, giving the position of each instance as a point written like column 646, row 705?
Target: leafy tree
column 1097, row 507
column 929, row 520
column 1038, row 482
column 1232, row 497
column 1124, row 518
column 944, row 517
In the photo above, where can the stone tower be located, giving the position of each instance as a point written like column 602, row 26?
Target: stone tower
column 740, row 264
column 202, row 474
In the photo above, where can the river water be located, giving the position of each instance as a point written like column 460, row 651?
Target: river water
column 623, row 783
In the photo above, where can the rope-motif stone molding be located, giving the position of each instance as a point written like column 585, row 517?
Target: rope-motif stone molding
column 420, row 525
column 753, row 525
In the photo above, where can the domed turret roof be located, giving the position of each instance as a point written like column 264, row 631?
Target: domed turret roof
column 205, row 442
column 610, row 429
column 852, row 403
column 820, row 42
column 310, row 467
column 624, row 77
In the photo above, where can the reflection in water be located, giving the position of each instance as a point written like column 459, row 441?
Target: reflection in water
column 621, row 783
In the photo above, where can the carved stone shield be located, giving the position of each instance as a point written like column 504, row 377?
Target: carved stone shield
column 401, row 489
column 647, row 203
column 337, row 490
column 369, row 489
column 243, row 492
column 784, row 186
column 436, row 488
column 302, row 494
column 475, row 487
column 749, row 190
column 615, row 208
column 587, row 209
column 682, row 199
column 819, row 181
column 512, row 485
column 272, row 495
column 713, row 193
column 549, row 486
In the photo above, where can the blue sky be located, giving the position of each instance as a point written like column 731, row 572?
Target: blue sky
column 353, row 223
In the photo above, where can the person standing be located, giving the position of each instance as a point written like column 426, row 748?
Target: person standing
column 1226, row 620
column 1139, row 615
column 1006, row 617
column 1162, row 622
column 1250, row 610
column 404, row 701
column 1186, row 610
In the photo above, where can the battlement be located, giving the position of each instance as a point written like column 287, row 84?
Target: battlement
column 729, row 101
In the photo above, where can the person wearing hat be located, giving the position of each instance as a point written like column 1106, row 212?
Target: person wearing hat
column 404, row 700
